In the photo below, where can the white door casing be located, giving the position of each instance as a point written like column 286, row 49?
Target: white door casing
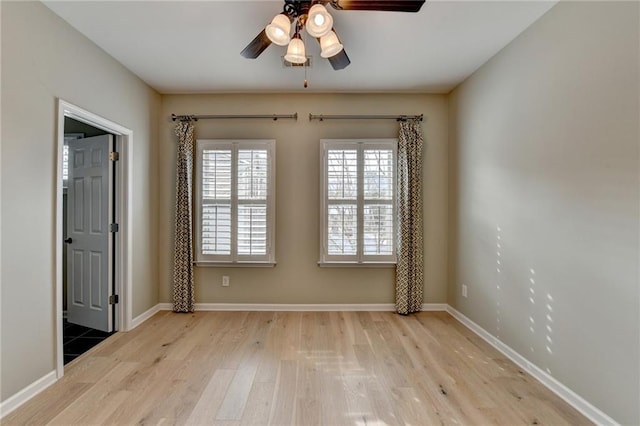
column 88, row 234
column 123, row 202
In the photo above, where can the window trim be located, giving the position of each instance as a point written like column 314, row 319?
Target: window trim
column 234, row 259
column 359, row 259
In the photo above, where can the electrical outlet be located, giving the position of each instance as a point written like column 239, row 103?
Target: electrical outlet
column 464, row 290
column 225, row 281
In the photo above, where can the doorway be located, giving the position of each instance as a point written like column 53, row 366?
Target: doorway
column 93, row 242
column 88, row 209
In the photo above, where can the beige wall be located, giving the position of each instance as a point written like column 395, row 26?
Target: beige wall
column 544, row 161
column 297, row 277
column 43, row 59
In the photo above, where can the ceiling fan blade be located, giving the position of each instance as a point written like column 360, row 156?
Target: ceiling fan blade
column 340, row 61
column 257, row 46
column 381, row 5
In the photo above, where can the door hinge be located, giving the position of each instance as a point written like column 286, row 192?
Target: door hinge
column 113, row 299
column 114, row 156
column 114, row 227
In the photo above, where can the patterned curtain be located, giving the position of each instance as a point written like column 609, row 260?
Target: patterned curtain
column 183, row 288
column 409, row 269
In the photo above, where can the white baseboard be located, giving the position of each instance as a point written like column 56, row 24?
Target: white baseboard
column 15, row 401
column 145, row 316
column 293, row 307
column 297, row 307
column 572, row 398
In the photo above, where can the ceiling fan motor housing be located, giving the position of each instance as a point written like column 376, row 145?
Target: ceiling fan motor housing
column 297, row 8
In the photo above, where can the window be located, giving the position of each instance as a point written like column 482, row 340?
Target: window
column 65, row 156
column 235, row 201
column 358, row 187
column 65, row 165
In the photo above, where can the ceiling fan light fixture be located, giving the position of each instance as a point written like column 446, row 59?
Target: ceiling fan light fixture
column 330, row 45
column 278, row 30
column 319, row 21
column 295, row 52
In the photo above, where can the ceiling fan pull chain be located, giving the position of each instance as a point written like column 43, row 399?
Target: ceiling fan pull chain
column 304, row 65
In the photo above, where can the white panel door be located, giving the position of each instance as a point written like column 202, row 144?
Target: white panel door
column 87, row 240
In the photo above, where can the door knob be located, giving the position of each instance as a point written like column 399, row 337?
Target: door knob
column 68, row 240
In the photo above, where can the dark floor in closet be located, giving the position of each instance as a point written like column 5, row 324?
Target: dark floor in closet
column 79, row 339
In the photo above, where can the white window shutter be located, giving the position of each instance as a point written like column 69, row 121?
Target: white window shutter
column 235, row 190
column 358, row 201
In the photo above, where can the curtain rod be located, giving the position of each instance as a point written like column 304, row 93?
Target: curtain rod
column 273, row 117
column 322, row 117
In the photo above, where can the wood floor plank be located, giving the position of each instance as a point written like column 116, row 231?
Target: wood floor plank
column 308, row 409
column 235, row 399
column 334, row 399
column 207, row 407
column 258, row 407
column 296, row 368
column 358, row 402
column 284, row 396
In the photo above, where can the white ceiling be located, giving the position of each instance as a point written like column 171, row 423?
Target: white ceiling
column 194, row 46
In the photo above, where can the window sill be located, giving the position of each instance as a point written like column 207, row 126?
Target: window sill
column 235, row 264
column 357, row 264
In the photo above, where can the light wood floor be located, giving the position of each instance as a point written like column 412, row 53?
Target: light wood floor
column 302, row 368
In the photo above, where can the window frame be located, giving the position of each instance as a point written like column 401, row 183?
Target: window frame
column 359, row 259
column 235, row 259
column 65, row 157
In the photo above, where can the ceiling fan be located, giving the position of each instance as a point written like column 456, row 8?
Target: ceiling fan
column 312, row 15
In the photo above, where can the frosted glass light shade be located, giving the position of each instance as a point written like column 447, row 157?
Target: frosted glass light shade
column 295, row 51
column 319, row 22
column 330, row 45
column 278, row 30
